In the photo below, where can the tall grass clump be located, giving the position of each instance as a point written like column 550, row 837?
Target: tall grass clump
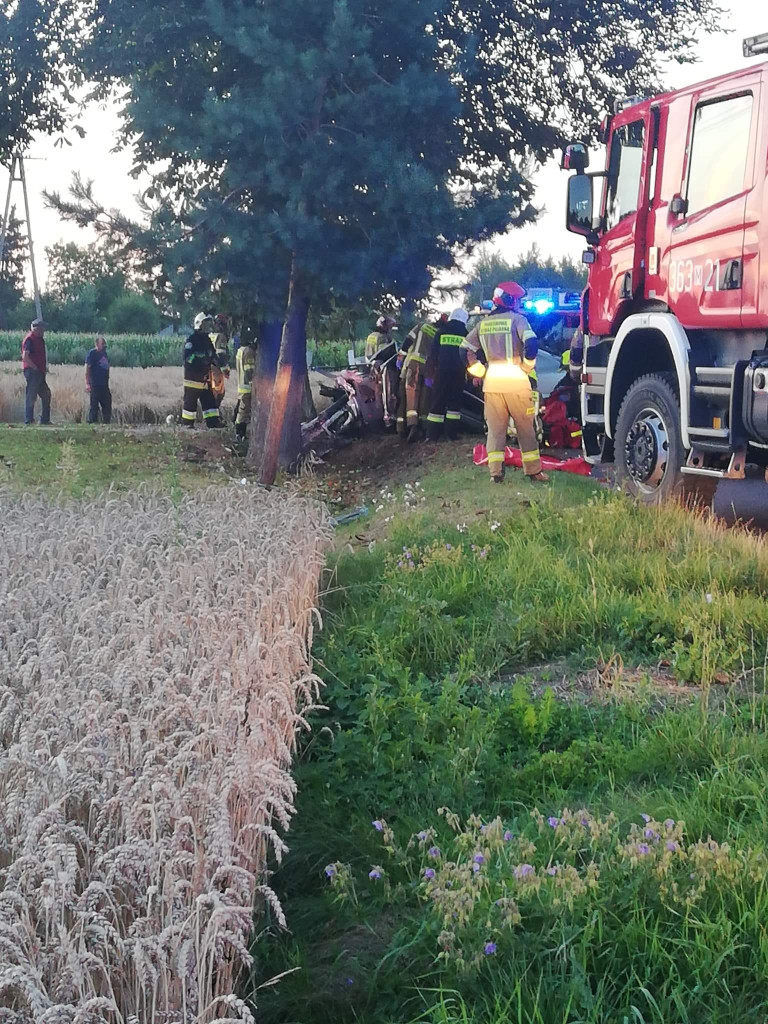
column 154, row 670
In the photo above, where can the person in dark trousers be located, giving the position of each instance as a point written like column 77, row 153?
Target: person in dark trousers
column 199, row 357
column 34, row 363
column 97, row 382
column 445, row 413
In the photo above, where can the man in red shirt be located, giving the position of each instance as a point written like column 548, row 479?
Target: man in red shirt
column 34, row 362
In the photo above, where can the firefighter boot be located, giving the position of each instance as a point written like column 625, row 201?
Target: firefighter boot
column 241, row 430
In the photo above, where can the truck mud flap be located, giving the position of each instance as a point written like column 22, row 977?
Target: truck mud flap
column 742, row 501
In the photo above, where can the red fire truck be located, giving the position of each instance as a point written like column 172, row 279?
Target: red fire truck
column 675, row 312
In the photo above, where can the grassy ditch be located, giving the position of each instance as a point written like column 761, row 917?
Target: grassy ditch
column 490, row 828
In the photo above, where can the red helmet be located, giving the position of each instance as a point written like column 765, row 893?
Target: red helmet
column 507, row 294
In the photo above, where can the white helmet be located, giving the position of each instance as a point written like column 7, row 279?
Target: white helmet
column 461, row 315
column 201, row 319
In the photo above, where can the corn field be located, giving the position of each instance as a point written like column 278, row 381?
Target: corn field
column 143, row 350
column 154, row 670
column 124, row 349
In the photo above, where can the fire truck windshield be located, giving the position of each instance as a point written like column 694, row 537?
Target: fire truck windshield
column 624, row 169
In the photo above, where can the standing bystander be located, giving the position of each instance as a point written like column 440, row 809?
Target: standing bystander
column 97, row 382
column 34, row 363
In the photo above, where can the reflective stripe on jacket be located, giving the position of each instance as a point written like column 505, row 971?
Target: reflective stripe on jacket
column 510, row 346
column 418, row 345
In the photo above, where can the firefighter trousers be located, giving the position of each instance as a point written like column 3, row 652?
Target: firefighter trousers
column 414, row 398
column 516, row 403
column 204, row 395
column 445, row 412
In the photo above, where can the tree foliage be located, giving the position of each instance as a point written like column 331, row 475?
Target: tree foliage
column 39, row 42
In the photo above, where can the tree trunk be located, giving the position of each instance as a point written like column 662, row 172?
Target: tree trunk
column 268, row 354
column 282, row 442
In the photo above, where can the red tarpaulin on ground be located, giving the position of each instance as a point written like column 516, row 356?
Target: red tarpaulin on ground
column 513, row 458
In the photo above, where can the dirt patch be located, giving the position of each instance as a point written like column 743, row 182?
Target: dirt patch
column 607, row 682
column 206, row 446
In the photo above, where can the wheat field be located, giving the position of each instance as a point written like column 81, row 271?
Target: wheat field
column 138, row 396
column 154, row 670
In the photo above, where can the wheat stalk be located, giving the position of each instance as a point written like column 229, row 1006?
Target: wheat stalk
column 154, row 670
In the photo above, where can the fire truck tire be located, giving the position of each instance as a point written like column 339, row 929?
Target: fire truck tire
column 649, row 448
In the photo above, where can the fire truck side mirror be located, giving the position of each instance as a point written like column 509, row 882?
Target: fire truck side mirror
column 678, row 206
column 580, row 205
column 575, row 158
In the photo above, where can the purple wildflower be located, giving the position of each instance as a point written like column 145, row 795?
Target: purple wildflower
column 475, row 868
column 672, row 846
column 449, row 547
column 331, row 871
column 508, row 837
column 649, row 833
column 524, row 871
column 479, row 858
column 585, row 822
column 349, row 981
column 553, row 822
column 434, row 852
column 378, row 825
column 643, row 849
column 483, row 828
column 421, row 836
column 552, row 871
column 429, row 874
column 669, row 824
column 646, row 818
column 375, row 875
column 490, row 948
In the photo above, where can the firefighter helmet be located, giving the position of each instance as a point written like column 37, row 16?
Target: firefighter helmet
column 507, row 294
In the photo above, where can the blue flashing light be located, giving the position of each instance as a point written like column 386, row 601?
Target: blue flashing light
column 542, row 306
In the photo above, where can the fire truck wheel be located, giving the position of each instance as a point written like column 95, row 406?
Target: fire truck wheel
column 648, row 440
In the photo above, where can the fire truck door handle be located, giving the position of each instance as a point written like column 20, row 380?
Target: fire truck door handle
column 732, row 276
column 626, row 285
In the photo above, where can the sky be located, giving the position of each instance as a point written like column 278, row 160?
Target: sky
column 51, row 168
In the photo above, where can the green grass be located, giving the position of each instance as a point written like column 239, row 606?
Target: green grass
column 417, row 651
column 83, row 460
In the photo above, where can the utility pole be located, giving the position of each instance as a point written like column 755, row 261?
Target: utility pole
column 17, row 174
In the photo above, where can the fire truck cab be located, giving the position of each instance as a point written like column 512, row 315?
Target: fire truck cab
column 675, row 313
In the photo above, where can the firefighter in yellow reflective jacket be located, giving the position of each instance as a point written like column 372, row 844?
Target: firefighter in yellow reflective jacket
column 246, row 365
column 380, row 338
column 416, row 377
column 510, row 348
column 220, row 373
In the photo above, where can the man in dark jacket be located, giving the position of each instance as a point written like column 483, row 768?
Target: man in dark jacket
column 97, row 382
column 445, row 413
column 199, row 357
column 34, row 363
